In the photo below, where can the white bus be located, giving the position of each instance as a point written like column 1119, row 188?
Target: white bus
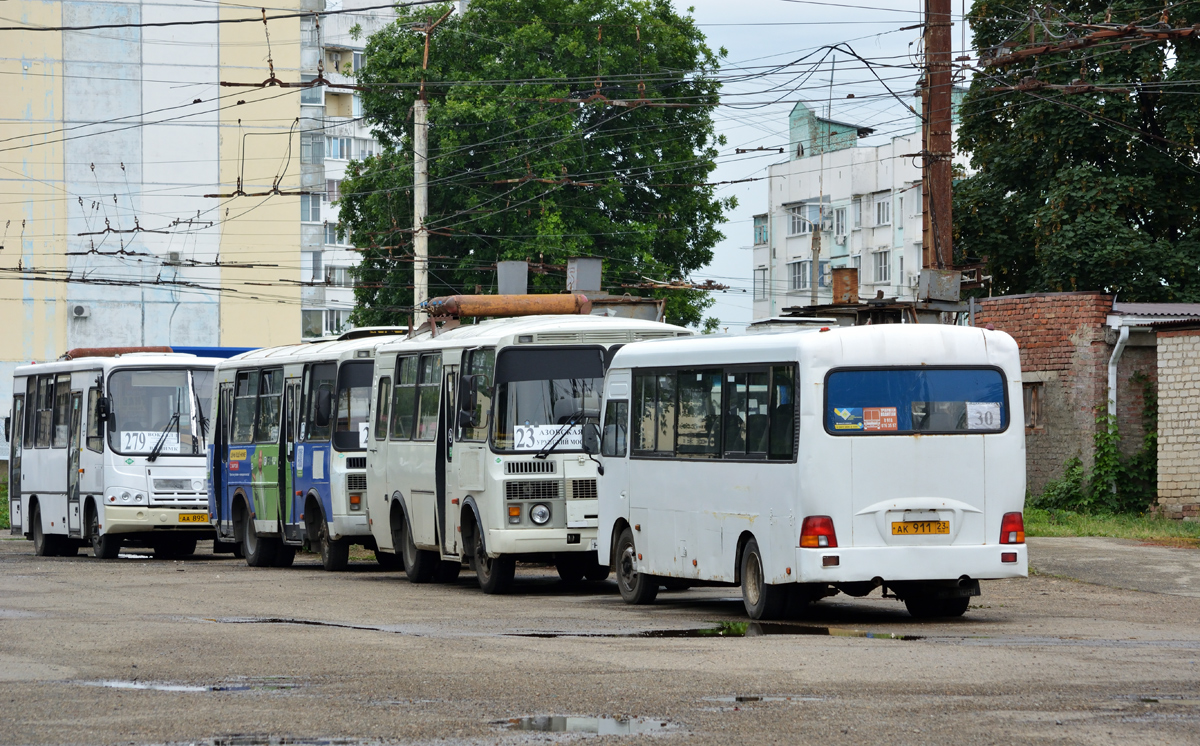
column 801, row 464
column 109, row 451
column 289, row 461
column 474, row 451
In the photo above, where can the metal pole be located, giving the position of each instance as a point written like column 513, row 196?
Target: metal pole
column 420, row 209
column 939, row 84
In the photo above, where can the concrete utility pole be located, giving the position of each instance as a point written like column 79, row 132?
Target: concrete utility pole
column 936, row 103
column 421, row 186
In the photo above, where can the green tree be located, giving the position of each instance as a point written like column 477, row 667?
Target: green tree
column 514, row 175
column 1084, row 191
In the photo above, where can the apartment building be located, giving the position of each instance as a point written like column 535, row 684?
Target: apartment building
column 865, row 201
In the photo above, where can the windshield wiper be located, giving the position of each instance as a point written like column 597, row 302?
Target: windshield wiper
column 201, row 421
column 162, row 439
column 559, row 435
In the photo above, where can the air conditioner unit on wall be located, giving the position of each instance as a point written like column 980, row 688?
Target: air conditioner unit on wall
column 80, row 311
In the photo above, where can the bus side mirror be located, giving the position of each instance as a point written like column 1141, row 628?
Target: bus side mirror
column 468, row 401
column 103, row 409
column 324, row 407
column 591, row 440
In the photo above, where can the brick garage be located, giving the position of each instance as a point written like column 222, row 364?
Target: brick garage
column 1065, row 347
column 1179, row 421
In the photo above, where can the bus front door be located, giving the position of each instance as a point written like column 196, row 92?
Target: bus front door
column 291, row 503
column 74, row 514
column 16, row 437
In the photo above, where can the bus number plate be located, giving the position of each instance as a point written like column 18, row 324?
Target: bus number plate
column 193, row 517
column 914, row 528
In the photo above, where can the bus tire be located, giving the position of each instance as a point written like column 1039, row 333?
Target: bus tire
column 447, row 571
column 923, row 607
column 596, row 572
column 570, row 566
column 46, row 545
column 105, row 547
column 419, row 564
column 389, row 561
column 259, row 552
column 495, row 574
column 285, row 555
column 762, row 600
column 636, row 587
column 335, row 553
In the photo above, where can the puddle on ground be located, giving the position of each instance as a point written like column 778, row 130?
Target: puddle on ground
column 603, row 726
column 236, row 685
column 124, row 555
column 311, row 623
column 734, row 629
column 748, row 698
column 266, row 740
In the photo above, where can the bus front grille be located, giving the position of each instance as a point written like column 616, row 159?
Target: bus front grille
column 356, row 482
column 545, row 489
column 356, row 462
column 582, row 489
column 529, row 467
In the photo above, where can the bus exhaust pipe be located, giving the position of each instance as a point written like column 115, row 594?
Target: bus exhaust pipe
column 458, row 306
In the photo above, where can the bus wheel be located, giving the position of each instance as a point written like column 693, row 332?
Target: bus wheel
column 495, row 574
column 636, row 587
column 570, row 567
column 105, row 547
column 389, row 561
column 419, row 564
column 335, row 553
column 931, row 608
column 45, row 545
column 285, row 555
column 596, row 572
column 259, row 552
column 762, row 600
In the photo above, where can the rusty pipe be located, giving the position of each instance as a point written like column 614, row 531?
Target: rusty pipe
column 79, row 352
column 508, row 305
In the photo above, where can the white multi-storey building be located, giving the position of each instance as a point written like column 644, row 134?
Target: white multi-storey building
column 865, row 200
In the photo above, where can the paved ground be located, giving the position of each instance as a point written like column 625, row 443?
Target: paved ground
column 1120, row 563
column 219, row 646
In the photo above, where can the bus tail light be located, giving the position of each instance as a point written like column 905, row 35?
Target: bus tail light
column 1012, row 529
column 817, row 532
column 355, row 501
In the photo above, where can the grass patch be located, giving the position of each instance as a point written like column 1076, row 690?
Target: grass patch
column 1040, row 522
column 3, row 504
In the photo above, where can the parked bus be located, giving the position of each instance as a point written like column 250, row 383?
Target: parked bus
column 805, row 463
column 109, row 451
column 474, row 450
column 289, row 464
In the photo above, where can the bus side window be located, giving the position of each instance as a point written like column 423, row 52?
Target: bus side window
column 654, row 396
column 404, row 399
column 27, row 435
column 44, row 419
column 783, row 413
column 616, row 425
column 269, row 393
column 94, row 440
column 245, row 395
column 428, row 392
column 382, row 397
column 62, row 411
column 482, row 366
column 321, row 377
column 698, row 432
column 747, row 414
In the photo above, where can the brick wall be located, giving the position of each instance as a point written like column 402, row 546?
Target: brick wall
column 1065, row 348
column 1179, row 423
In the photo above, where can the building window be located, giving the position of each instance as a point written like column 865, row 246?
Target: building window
column 883, row 211
column 312, row 149
column 856, row 262
column 760, row 284
column 1033, row 405
column 312, row 323
column 798, row 275
column 337, row 148
column 336, row 321
column 900, row 267
column 309, row 35
column 332, row 191
column 334, row 235
column 356, row 108
column 359, row 58
column 365, row 147
column 314, row 95
column 839, row 221
column 883, row 266
column 857, row 209
column 797, row 222
column 312, row 262
column 310, row 208
column 760, row 230
column 339, row 277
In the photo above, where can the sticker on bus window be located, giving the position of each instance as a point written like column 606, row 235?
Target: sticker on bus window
column 983, row 415
column 847, row 418
column 536, row 437
column 237, row 454
column 299, row 460
column 880, row 418
column 145, row 440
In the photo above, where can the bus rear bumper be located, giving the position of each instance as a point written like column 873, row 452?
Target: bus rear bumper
column 540, row 540
column 854, row 564
column 131, row 520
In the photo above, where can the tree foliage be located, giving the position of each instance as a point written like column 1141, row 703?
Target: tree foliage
column 513, row 175
column 1091, row 191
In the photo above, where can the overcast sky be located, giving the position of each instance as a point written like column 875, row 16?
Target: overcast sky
column 760, row 33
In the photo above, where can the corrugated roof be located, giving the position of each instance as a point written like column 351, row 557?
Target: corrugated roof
column 1157, row 309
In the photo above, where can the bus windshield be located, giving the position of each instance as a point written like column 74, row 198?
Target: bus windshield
column 155, row 408
column 353, row 405
column 546, row 395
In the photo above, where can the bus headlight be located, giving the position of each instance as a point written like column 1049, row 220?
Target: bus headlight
column 125, row 497
column 139, row 498
column 540, row 514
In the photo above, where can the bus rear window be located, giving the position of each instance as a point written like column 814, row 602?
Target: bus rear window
column 915, row 400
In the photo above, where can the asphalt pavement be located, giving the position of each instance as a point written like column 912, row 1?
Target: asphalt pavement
column 1119, row 563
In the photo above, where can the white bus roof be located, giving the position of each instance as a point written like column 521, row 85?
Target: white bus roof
column 566, row 329
column 858, row 346
column 131, row 360
column 307, row 352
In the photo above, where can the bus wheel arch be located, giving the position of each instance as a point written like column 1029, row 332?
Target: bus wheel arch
column 397, row 517
column 470, row 522
column 313, row 512
column 241, row 513
column 742, row 541
column 618, row 528
column 104, row 546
